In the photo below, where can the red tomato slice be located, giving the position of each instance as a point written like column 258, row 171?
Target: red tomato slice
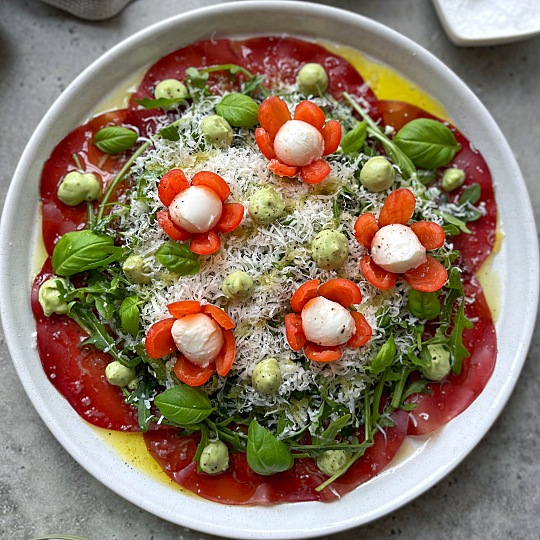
column 398, row 208
column 226, row 356
column 307, row 111
column 171, row 229
column 273, row 113
column 304, row 294
column 219, row 316
column 205, row 243
column 376, row 275
column 159, row 341
column 184, row 307
column 431, row 235
column 190, row 373
column 428, row 277
column 331, row 133
column 293, row 331
column 315, row 172
column 265, row 144
column 171, row 184
column 281, row 169
column 321, row 353
column 231, row 217
column 363, row 331
column 212, row 181
column 365, row 228
column 340, row 290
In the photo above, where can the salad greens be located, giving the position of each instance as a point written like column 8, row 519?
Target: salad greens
column 324, row 407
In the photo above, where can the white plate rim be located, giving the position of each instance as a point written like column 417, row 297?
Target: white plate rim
column 288, row 520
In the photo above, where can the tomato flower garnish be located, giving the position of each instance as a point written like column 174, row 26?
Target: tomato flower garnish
column 197, row 211
column 322, row 321
column 201, row 334
column 400, row 249
column 296, row 146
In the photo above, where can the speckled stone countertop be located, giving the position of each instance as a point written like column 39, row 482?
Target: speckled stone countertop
column 494, row 493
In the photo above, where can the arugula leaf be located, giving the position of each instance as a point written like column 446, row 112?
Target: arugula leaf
column 144, row 391
column 184, row 405
column 79, row 251
column 471, row 194
column 266, row 455
column 115, row 139
column 428, row 143
column 331, row 432
column 178, row 259
column 161, row 103
column 196, row 78
column 239, row 110
column 457, row 349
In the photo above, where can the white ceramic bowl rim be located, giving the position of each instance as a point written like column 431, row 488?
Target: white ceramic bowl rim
column 427, row 461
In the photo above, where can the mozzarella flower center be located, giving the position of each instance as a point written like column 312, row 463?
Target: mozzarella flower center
column 326, row 322
column 396, row 248
column 298, row 143
column 198, row 337
column 197, row 209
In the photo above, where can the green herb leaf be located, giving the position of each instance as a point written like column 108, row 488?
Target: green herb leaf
column 160, row 103
column 79, row 251
column 331, row 432
column 455, row 341
column 384, row 357
column 178, row 259
column 428, row 143
column 129, row 315
column 454, row 221
column 471, row 194
column 196, row 78
column 184, row 405
column 353, row 140
column 115, row 139
column 239, row 110
column 170, row 133
column 266, row 455
column 424, row 305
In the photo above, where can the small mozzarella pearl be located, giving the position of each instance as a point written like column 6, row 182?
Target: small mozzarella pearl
column 197, row 209
column 327, row 323
column 396, row 248
column 298, row 143
column 198, row 337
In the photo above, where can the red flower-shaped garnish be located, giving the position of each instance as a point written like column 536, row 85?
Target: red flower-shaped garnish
column 197, row 211
column 322, row 313
column 425, row 273
column 160, row 341
column 297, row 146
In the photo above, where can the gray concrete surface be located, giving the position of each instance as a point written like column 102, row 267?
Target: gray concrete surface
column 493, row 494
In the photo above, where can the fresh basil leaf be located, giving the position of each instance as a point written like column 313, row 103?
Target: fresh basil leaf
column 428, row 143
column 353, row 140
column 471, row 194
column 115, row 139
column 160, row 103
column 178, row 259
column 79, row 251
column 384, row 357
column 239, row 110
column 129, row 315
column 266, row 455
column 184, row 405
column 424, row 305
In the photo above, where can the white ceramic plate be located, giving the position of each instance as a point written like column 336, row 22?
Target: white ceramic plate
column 477, row 23
column 427, row 461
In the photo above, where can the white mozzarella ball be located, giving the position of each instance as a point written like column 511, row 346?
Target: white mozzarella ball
column 198, row 337
column 327, row 323
column 197, row 209
column 298, row 143
column 396, row 248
